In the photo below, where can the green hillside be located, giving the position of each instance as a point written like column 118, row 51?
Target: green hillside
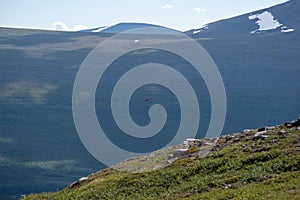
column 254, row 164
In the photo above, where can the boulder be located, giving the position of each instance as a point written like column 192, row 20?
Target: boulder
column 260, row 135
column 261, row 129
column 176, row 154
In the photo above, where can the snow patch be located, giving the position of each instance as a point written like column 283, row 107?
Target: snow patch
column 197, row 31
column 100, row 29
column 265, row 21
column 287, row 30
column 202, row 28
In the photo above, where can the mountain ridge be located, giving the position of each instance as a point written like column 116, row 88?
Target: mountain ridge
column 285, row 14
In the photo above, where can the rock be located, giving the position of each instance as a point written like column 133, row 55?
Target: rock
column 157, row 167
column 228, row 186
column 176, row 154
column 203, row 153
column 229, row 137
column 247, row 130
column 298, row 128
column 282, row 132
column 260, row 135
column 78, row 182
column 208, row 143
column 214, row 139
column 292, row 123
column 83, row 178
column 190, row 142
column 261, row 129
column 269, row 128
column 180, row 152
column 186, row 143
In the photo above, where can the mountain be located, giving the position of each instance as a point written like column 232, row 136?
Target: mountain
column 40, row 150
column 94, row 30
column 118, row 28
column 279, row 19
column 261, row 163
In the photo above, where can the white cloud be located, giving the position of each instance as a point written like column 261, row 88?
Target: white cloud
column 167, row 6
column 200, row 10
column 60, row 26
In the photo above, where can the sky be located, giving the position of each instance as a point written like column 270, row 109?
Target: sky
column 72, row 15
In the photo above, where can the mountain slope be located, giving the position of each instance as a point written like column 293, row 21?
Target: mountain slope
column 255, row 164
column 120, row 27
column 281, row 18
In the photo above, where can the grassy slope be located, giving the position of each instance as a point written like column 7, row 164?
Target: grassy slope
column 241, row 166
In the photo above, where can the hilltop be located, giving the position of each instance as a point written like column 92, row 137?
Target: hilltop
column 261, row 163
column 279, row 19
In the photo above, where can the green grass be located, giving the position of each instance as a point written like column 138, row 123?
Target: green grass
column 241, row 168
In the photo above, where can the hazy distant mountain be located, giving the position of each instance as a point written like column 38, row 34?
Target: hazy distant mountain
column 118, row 28
column 282, row 18
column 94, row 30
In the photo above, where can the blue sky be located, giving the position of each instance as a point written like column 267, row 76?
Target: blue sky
column 80, row 14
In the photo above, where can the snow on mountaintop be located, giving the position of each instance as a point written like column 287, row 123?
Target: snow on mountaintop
column 279, row 19
column 266, row 21
column 202, row 28
column 100, row 29
column 287, row 30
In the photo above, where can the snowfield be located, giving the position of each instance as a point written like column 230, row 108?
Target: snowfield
column 266, row 21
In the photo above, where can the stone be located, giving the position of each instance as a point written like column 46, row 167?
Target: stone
column 177, row 153
column 191, row 140
column 78, row 182
column 269, row 128
column 228, row 186
column 203, row 153
column 247, row 130
column 214, row 139
column 282, row 132
column 208, row 143
column 83, row 178
column 292, row 123
column 229, row 137
column 260, row 135
column 261, row 129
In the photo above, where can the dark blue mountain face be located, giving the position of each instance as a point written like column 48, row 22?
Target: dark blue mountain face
column 39, row 146
column 121, row 27
column 287, row 15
